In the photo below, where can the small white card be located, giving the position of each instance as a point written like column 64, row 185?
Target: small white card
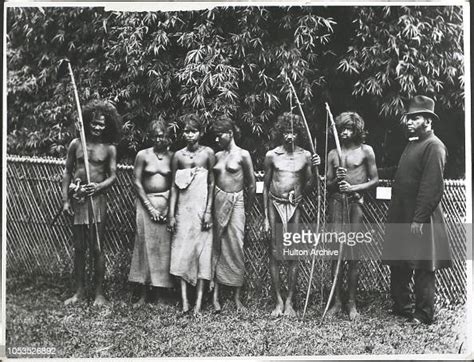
column 383, row 193
column 259, row 187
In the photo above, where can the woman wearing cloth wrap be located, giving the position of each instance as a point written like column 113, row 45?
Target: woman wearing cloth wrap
column 151, row 255
column 233, row 171
column 190, row 218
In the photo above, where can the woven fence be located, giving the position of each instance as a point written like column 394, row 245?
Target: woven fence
column 37, row 246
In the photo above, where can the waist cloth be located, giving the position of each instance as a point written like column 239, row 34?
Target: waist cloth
column 228, row 246
column 82, row 209
column 285, row 207
column 151, row 253
column 191, row 247
column 346, row 233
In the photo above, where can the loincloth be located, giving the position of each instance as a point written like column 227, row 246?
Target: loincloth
column 81, row 208
column 285, row 207
column 339, row 222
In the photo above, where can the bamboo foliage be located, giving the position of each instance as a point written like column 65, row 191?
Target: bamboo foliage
column 231, row 60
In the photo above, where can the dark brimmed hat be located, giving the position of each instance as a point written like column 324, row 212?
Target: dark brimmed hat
column 421, row 104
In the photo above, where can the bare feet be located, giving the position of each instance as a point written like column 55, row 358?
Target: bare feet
column 238, row 304
column 78, row 297
column 99, row 301
column 139, row 303
column 278, row 311
column 240, row 307
column 197, row 311
column 289, row 311
column 217, row 305
column 336, row 308
column 185, row 306
column 351, row 308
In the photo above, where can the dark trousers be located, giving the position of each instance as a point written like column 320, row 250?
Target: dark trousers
column 424, row 292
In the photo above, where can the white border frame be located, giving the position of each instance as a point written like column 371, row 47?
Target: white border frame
column 196, row 5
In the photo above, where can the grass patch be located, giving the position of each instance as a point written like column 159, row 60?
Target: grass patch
column 36, row 317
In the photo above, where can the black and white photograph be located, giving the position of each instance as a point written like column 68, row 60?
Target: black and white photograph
column 247, row 179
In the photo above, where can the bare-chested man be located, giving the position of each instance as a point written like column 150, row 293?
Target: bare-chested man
column 359, row 175
column 102, row 129
column 287, row 176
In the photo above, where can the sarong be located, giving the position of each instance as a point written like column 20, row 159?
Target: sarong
column 151, row 254
column 191, row 247
column 336, row 216
column 229, row 227
column 81, row 209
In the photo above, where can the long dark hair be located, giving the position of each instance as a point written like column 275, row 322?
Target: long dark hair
column 225, row 124
column 158, row 125
column 289, row 122
column 352, row 119
column 192, row 120
column 113, row 120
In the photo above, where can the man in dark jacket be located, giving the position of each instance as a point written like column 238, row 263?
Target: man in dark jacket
column 416, row 239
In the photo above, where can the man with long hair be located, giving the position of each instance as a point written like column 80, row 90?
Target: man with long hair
column 358, row 176
column 102, row 130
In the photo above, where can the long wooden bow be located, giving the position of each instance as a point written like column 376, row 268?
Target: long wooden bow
column 342, row 163
column 313, row 150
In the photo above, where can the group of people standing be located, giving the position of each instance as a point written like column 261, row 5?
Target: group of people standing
column 196, row 234
column 190, row 209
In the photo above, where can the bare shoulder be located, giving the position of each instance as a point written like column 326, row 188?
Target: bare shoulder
column 111, row 149
column 142, row 153
column 244, row 153
column 219, row 154
column 332, row 154
column 74, row 143
column 368, row 150
column 179, row 153
column 209, row 151
column 306, row 153
column 270, row 153
column 246, row 157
